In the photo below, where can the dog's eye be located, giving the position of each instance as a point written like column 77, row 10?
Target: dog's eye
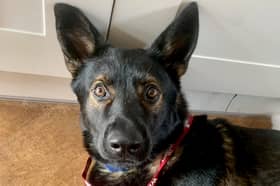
column 100, row 91
column 151, row 94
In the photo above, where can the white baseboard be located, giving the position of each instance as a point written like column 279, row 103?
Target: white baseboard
column 35, row 87
column 275, row 119
column 55, row 89
column 232, row 76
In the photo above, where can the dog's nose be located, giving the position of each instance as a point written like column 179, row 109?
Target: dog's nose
column 124, row 143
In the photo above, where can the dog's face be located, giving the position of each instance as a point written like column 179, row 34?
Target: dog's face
column 130, row 99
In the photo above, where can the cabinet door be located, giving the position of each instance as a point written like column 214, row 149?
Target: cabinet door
column 31, row 47
column 19, row 16
column 238, row 48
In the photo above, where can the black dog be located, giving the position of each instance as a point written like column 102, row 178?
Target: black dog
column 132, row 110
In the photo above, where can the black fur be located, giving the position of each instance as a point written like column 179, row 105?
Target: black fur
column 213, row 153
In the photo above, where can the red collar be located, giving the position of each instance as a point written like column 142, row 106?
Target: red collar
column 163, row 161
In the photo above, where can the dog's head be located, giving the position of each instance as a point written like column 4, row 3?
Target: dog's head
column 130, row 99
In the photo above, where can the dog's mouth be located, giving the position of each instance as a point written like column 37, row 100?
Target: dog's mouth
column 124, row 165
column 128, row 162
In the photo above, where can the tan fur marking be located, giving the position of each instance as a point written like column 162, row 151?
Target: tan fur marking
column 231, row 179
column 89, row 45
column 228, row 149
column 174, row 45
column 171, row 48
column 152, row 167
column 90, row 168
column 181, row 69
column 72, row 65
column 93, row 102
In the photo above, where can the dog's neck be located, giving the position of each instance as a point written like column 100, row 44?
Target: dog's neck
column 102, row 175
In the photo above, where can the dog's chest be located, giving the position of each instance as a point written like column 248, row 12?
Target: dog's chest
column 137, row 178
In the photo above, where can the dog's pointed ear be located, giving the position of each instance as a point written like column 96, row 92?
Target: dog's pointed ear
column 175, row 45
column 78, row 38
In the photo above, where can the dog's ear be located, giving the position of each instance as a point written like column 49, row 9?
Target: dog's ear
column 175, row 45
column 78, row 38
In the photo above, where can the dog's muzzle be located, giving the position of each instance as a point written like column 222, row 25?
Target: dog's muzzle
column 124, row 142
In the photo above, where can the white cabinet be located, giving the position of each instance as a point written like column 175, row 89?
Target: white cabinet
column 22, row 52
column 237, row 51
column 238, row 48
column 19, row 16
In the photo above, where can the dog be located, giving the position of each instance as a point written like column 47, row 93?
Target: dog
column 133, row 111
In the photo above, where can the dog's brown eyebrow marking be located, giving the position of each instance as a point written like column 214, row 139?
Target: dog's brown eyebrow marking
column 103, row 78
column 149, row 79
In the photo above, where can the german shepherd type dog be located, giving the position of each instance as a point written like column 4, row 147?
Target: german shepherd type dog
column 132, row 110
